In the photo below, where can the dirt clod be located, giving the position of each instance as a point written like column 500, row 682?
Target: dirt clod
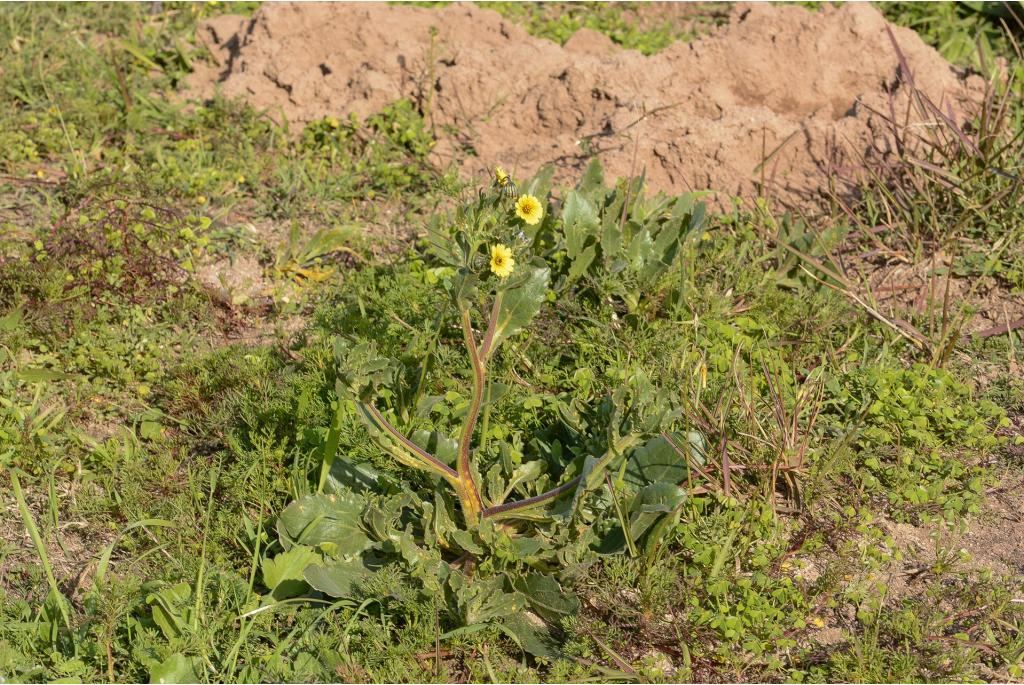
column 700, row 115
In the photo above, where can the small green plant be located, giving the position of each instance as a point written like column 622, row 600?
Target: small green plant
column 619, row 243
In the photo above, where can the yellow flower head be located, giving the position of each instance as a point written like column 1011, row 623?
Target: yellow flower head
column 529, row 210
column 500, row 174
column 502, row 263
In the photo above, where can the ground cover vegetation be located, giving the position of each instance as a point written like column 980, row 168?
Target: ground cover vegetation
column 448, row 429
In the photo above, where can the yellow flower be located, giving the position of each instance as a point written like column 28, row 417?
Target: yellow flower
column 502, row 263
column 529, row 210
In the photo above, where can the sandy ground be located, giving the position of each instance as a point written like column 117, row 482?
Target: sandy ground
column 807, row 90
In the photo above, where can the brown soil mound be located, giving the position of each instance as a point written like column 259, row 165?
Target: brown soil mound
column 696, row 116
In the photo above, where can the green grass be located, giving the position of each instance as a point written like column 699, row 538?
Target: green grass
column 149, row 421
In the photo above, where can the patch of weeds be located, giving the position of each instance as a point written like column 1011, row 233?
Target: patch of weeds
column 959, row 30
column 106, row 294
column 505, row 546
column 386, row 151
column 626, row 24
column 108, row 115
column 31, row 417
column 717, row 604
column 959, row 628
column 920, row 436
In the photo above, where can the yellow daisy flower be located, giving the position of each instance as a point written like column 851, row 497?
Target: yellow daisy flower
column 502, row 262
column 529, row 210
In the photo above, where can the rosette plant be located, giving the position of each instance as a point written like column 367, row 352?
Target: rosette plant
column 492, row 529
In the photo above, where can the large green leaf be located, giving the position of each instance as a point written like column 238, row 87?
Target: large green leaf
column 345, row 476
column 176, row 668
column 534, row 635
column 524, row 473
column 521, row 303
column 284, row 573
column 339, row 578
column 546, row 596
column 580, row 222
column 444, row 522
column 649, row 505
column 330, row 522
column 655, row 461
column 172, row 610
column 465, row 540
column 540, row 185
column 640, row 249
column 482, row 600
column 582, row 263
column 658, row 498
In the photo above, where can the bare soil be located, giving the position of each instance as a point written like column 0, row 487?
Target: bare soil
column 812, row 87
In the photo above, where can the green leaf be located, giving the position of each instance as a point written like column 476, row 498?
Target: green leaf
column 523, row 548
column 658, row 498
column 176, row 668
column 580, row 222
column 444, row 525
column 441, row 446
column 169, row 614
column 331, row 522
column 534, row 635
column 284, row 574
column 482, row 600
column 540, row 185
column 345, row 476
column 611, row 237
column 151, row 430
column 464, row 287
column 546, row 596
column 465, row 540
column 360, row 368
column 655, row 461
column 529, row 471
column 640, row 249
column 651, row 503
column 340, row 578
column 593, row 179
column 582, row 263
column 520, row 304
column 10, row 321
column 39, row 374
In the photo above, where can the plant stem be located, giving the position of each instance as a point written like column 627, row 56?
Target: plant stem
column 421, row 458
column 487, row 418
column 472, row 504
column 531, row 501
column 615, row 450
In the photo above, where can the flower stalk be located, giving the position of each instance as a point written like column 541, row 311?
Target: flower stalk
column 463, row 477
